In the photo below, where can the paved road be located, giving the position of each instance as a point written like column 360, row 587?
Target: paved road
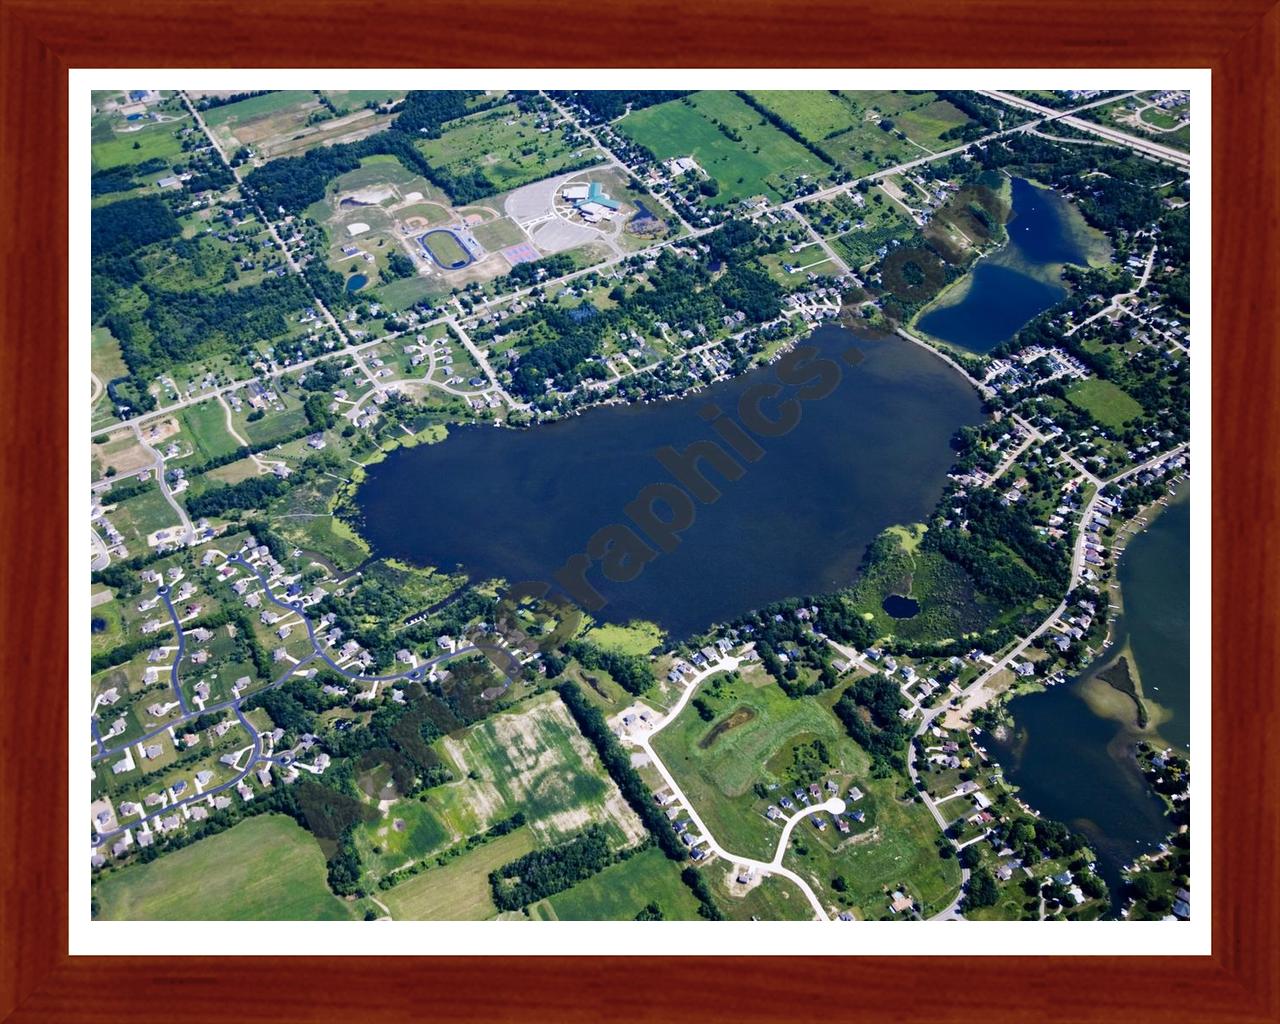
column 1143, row 146
column 188, row 531
column 774, row 866
column 412, row 674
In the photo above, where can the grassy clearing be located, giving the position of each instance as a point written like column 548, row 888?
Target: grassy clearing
column 637, row 637
column 206, row 426
column 460, row 890
column 758, row 747
column 815, row 113
column 263, row 869
column 895, row 848
column 139, row 517
column 621, row 891
column 764, row 161
column 503, row 144
column 156, row 140
column 773, row 899
column 1104, row 401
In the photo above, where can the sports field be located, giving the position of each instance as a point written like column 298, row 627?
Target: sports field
column 460, row 890
column 762, row 160
column 1104, row 401
column 264, row 869
column 445, row 249
column 621, row 891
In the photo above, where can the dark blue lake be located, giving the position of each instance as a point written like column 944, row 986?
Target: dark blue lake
column 1019, row 281
column 516, row 504
column 356, row 281
column 1078, row 767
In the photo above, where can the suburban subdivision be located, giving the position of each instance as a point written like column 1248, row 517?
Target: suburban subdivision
column 639, row 505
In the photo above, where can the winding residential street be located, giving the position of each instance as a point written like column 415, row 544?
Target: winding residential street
column 773, row 867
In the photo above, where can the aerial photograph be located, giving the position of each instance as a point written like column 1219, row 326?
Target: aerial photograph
column 632, row 505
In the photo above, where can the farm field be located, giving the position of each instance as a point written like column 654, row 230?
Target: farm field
column 265, row 868
column 1104, row 401
column 458, row 891
column 256, row 107
column 531, row 759
column 751, row 737
column 289, row 122
column 764, row 160
column 158, row 140
column 621, row 891
column 504, row 146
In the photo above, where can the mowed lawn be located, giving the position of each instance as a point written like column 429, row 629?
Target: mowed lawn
column 1107, row 403
column 460, row 890
column 266, row 868
column 719, row 777
column 621, row 891
column 759, row 164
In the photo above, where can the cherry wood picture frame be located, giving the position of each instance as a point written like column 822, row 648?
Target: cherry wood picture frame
column 41, row 39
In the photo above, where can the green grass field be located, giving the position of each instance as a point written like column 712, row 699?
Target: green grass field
column 620, row 891
column 255, row 107
column 155, row 140
column 460, row 890
column 498, row 234
column 263, row 869
column 1104, row 401
column 719, row 777
column 141, row 516
column 205, row 425
column 531, row 759
column 773, row 899
column 447, row 250
column 763, row 162
column 503, row 144
column 815, row 113
column 894, row 847
column 354, row 98
column 634, row 638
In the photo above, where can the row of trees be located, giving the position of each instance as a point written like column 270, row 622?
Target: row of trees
column 617, row 762
column 546, row 872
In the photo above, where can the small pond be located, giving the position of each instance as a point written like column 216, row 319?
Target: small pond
column 900, row 607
